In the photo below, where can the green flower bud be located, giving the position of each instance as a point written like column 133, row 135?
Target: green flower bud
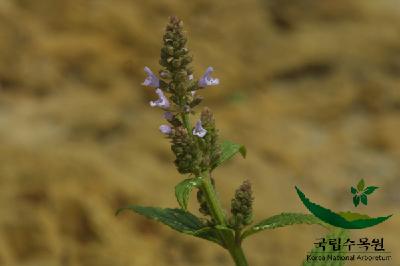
column 170, row 50
column 209, row 145
column 185, row 150
column 241, row 206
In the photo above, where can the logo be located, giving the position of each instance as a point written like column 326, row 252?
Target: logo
column 338, row 246
column 345, row 219
column 361, row 193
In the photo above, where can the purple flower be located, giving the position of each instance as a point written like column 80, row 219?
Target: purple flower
column 165, row 129
column 151, row 80
column 162, row 101
column 199, row 130
column 168, row 116
column 207, row 80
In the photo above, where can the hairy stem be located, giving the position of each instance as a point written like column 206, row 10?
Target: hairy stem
column 237, row 255
column 232, row 244
column 234, row 247
column 212, row 200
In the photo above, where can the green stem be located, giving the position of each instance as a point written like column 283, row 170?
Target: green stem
column 186, row 122
column 231, row 243
column 234, row 247
column 237, row 255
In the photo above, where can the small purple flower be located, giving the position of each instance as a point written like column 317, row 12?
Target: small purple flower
column 165, row 129
column 162, row 101
column 199, row 130
column 168, row 116
column 151, row 80
column 207, row 80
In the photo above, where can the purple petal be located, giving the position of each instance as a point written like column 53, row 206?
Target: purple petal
column 199, row 130
column 207, row 80
column 151, row 80
column 165, row 129
column 168, row 116
column 161, row 102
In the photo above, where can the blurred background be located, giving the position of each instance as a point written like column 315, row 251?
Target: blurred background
column 310, row 87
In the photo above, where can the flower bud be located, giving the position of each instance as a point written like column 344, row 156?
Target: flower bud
column 241, row 206
column 185, row 150
column 210, row 146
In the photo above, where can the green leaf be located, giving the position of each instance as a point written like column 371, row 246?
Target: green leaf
column 364, row 199
column 183, row 189
column 228, row 150
column 178, row 219
column 209, row 233
column 280, row 220
column 353, row 190
column 341, row 234
column 370, row 190
column 356, row 200
column 361, row 185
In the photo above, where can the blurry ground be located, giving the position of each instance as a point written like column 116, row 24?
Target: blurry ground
column 310, row 87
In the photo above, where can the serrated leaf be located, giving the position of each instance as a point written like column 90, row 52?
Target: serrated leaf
column 183, row 189
column 283, row 219
column 369, row 190
column 356, row 200
column 361, row 185
column 177, row 219
column 228, row 150
column 353, row 190
column 341, row 234
column 364, row 199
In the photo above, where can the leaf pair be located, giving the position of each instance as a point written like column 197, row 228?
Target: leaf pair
column 180, row 219
column 360, row 193
column 187, row 223
column 183, row 221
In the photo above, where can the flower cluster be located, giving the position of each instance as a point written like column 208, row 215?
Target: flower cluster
column 196, row 148
column 241, row 206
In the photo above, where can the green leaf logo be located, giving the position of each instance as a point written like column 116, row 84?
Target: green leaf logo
column 360, row 185
column 369, row 190
column 360, row 193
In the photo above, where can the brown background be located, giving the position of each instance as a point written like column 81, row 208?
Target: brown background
column 310, row 87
